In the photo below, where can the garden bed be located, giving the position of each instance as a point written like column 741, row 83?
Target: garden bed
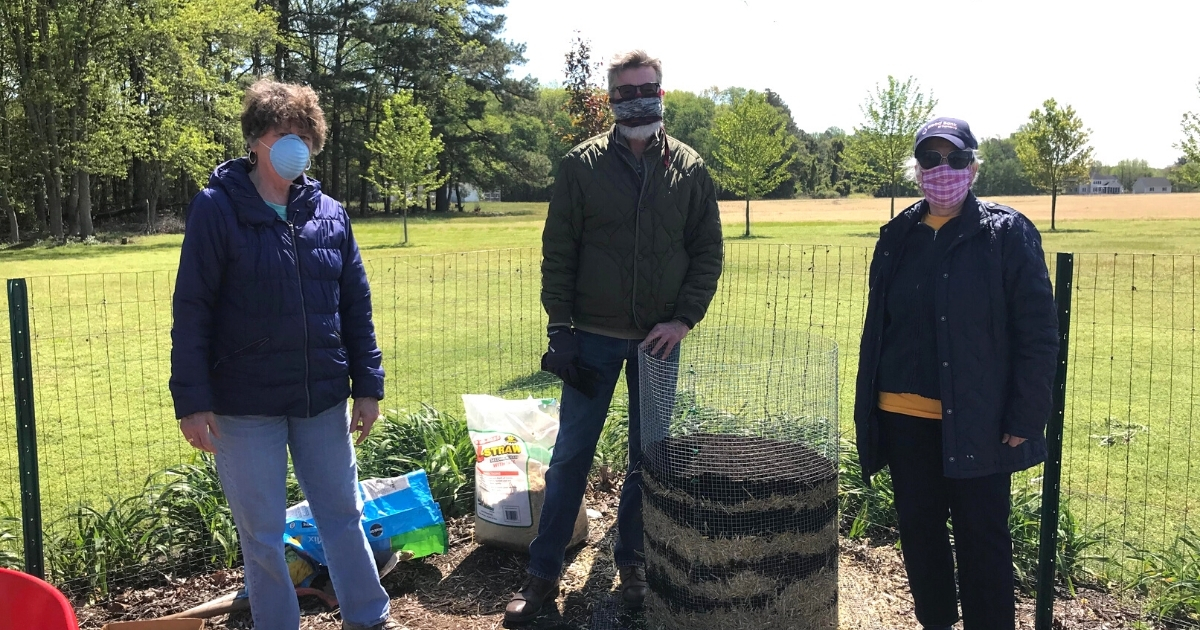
column 468, row 588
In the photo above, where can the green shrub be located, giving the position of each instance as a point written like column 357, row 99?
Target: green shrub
column 1170, row 579
column 428, row 439
column 196, row 515
column 10, row 542
column 91, row 551
column 1075, row 555
column 612, row 451
column 181, row 521
column 867, row 510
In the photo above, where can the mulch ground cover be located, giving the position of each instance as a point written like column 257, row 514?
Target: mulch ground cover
column 467, row 589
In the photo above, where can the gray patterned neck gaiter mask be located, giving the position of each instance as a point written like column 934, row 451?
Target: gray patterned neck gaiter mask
column 639, row 111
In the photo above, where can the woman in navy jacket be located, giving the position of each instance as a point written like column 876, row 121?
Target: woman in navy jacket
column 272, row 334
column 954, row 385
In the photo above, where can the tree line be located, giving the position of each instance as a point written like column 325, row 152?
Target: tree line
column 121, row 108
column 112, row 107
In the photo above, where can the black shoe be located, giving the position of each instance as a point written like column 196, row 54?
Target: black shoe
column 528, row 602
column 633, row 586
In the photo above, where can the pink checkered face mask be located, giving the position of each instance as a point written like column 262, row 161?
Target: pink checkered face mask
column 945, row 186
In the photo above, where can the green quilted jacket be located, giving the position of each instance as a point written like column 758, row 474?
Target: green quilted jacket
column 619, row 260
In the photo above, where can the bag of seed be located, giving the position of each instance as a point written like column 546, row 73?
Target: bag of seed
column 514, row 440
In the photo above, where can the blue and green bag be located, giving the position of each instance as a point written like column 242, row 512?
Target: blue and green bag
column 399, row 514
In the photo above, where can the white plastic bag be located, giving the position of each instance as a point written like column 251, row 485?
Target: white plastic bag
column 514, row 440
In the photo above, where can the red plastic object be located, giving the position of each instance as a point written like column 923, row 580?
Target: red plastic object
column 27, row 603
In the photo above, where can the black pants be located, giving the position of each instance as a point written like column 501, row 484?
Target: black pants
column 978, row 509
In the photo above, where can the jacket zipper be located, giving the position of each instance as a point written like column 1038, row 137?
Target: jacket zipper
column 637, row 233
column 304, row 317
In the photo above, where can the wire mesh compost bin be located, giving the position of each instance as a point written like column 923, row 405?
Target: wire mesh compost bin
column 740, row 444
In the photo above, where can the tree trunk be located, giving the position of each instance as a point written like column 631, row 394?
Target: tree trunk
column 39, row 204
column 1053, row 207
column 83, row 211
column 256, row 53
column 892, row 189
column 346, row 161
column 155, row 189
column 335, row 165
column 53, row 168
column 747, row 234
column 14, row 229
column 387, row 203
column 107, row 197
column 442, row 199
column 281, row 71
column 405, row 205
column 71, row 210
column 364, row 205
column 458, row 202
column 54, row 200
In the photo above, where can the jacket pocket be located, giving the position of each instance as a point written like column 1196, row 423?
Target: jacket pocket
column 248, row 348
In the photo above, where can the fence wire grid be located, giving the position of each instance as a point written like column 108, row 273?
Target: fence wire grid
column 740, row 481
column 472, row 323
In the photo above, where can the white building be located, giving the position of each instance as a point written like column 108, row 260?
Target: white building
column 1100, row 185
column 1151, row 185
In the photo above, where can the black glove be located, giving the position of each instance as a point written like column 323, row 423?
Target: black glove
column 562, row 360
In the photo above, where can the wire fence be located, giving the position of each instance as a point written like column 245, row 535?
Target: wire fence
column 1131, row 466
column 472, row 323
column 740, row 480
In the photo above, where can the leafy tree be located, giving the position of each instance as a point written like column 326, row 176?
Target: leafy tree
column 824, row 174
column 753, row 148
column 1189, row 169
column 533, row 146
column 1129, row 171
column 126, row 105
column 688, row 117
column 184, row 101
column 1001, row 172
column 405, row 153
column 879, row 149
column 587, row 102
column 1053, row 148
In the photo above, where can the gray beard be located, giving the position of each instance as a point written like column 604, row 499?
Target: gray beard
column 642, row 132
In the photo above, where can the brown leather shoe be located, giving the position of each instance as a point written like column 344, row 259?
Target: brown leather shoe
column 528, row 602
column 633, row 586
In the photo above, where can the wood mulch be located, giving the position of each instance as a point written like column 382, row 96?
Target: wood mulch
column 467, row 589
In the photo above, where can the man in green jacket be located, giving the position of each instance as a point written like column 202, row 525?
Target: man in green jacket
column 632, row 251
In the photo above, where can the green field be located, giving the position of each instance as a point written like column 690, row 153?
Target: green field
column 457, row 312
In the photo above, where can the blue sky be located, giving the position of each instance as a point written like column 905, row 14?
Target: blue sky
column 1129, row 69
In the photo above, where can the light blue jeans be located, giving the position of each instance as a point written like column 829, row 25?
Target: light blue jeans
column 252, row 460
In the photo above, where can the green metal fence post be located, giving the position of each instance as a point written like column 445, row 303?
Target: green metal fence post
column 27, row 457
column 1052, row 474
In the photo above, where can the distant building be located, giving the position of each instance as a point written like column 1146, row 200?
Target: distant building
column 1147, row 185
column 1099, row 185
column 471, row 194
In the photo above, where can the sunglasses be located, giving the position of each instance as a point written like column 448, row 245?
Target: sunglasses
column 957, row 160
column 627, row 92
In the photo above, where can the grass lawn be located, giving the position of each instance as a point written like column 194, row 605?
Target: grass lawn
column 457, row 311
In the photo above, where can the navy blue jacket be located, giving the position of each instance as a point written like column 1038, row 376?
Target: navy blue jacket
column 997, row 338
column 272, row 317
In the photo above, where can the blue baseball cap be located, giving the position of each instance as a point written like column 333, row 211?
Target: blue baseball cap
column 958, row 132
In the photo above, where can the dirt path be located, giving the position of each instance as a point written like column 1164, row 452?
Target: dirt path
column 468, row 588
